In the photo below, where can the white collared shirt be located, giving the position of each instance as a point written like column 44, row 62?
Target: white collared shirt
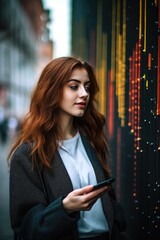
column 81, row 172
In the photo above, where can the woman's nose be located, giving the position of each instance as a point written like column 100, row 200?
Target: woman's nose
column 83, row 92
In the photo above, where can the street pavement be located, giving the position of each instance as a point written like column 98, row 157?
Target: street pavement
column 6, row 232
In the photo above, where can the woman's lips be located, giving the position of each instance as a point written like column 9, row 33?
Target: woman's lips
column 81, row 105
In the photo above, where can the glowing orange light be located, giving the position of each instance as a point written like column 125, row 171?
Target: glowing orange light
column 149, row 61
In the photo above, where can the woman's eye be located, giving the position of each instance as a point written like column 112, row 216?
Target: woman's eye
column 74, row 87
column 87, row 88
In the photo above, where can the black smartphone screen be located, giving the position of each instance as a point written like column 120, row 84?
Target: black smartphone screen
column 104, row 183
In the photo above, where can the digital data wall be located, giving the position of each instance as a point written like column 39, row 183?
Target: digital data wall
column 121, row 39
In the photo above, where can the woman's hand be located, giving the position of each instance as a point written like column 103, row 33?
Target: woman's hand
column 82, row 199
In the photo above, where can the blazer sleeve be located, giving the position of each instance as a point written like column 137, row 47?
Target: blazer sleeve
column 120, row 224
column 31, row 216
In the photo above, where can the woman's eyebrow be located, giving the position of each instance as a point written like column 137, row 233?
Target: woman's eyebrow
column 78, row 81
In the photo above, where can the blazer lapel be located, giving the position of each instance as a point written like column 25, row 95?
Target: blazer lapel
column 100, row 175
column 57, row 180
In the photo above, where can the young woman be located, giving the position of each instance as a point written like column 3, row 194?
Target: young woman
column 60, row 153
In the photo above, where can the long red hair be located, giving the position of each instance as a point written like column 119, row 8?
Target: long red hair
column 41, row 125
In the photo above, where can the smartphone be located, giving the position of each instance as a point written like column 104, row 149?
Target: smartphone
column 104, row 183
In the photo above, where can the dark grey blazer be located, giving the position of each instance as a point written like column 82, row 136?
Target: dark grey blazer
column 33, row 217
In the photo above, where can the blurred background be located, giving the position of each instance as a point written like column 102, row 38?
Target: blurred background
column 120, row 38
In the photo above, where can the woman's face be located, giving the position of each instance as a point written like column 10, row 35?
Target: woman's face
column 75, row 95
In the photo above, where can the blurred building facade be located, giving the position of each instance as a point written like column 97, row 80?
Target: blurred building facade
column 25, row 48
column 120, row 38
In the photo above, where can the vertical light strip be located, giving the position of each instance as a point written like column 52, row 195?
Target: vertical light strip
column 140, row 19
column 117, row 56
column 103, row 75
column 158, row 60
column 133, row 89
column 132, row 112
column 134, row 105
column 149, row 61
column 135, row 94
column 138, row 92
column 118, row 162
column 111, row 103
column 130, row 92
column 99, row 48
column 135, row 125
column 123, row 63
column 145, row 26
column 113, row 41
column 121, row 83
column 146, row 81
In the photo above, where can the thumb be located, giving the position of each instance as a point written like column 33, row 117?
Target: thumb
column 84, row 190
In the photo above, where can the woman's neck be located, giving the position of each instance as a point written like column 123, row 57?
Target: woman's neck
column 68, row 130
